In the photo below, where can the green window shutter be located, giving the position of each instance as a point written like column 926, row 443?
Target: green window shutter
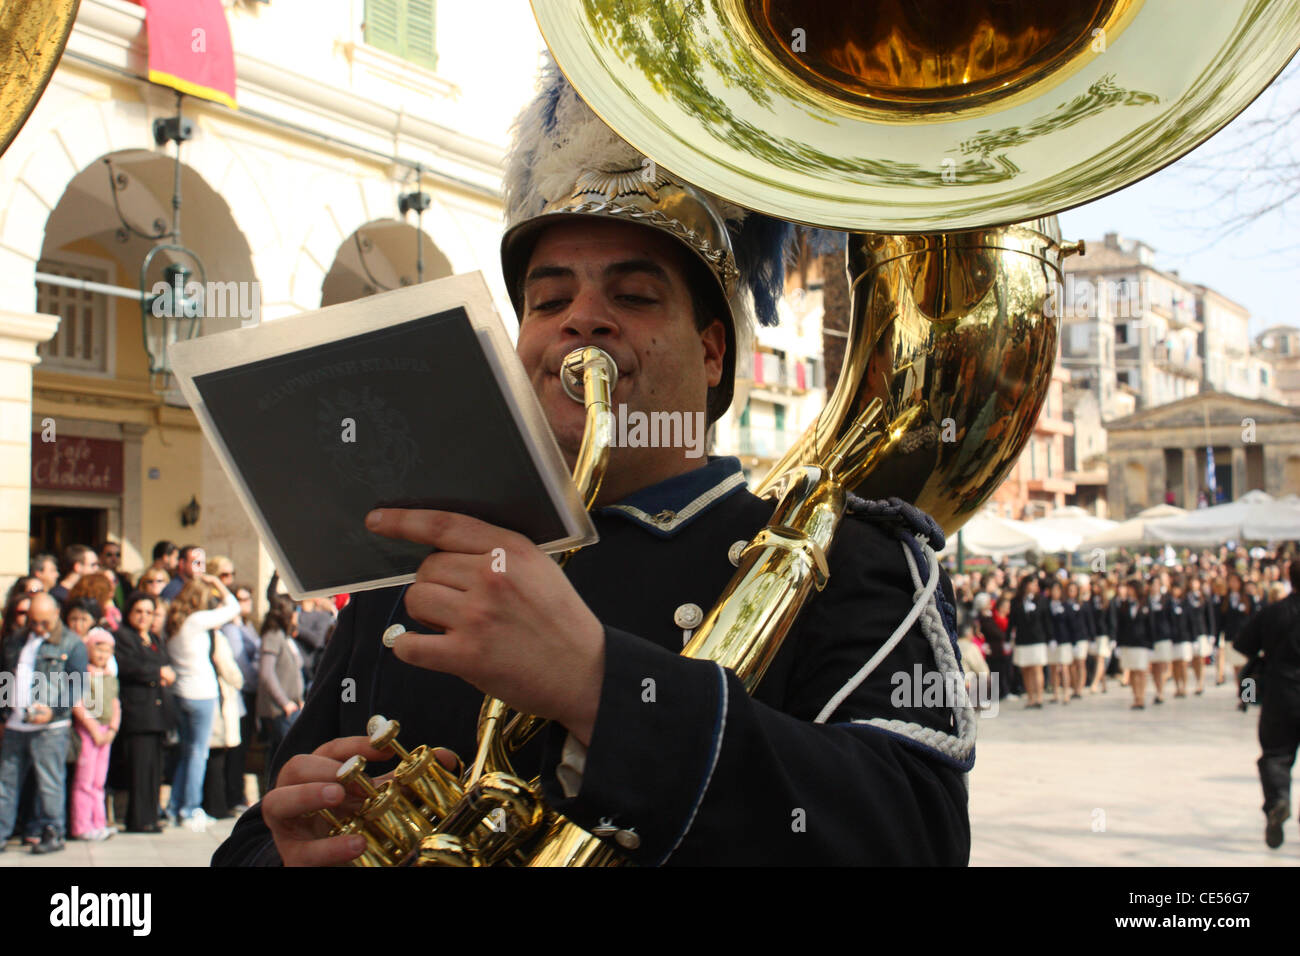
column 383, row 25
column 420, row 47
column 780, row 417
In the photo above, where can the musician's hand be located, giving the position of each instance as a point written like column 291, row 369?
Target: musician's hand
column 512, row 624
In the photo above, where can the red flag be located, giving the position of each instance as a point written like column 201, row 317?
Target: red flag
column 190, row 48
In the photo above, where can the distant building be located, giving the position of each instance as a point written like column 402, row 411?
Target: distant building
column 1160, row 454
column 1280, row 345
column 781, row 383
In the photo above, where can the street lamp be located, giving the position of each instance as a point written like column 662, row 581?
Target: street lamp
column 173, row 312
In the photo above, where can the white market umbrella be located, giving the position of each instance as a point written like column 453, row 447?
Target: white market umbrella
column 1131, row 533
column 993, row 536
column 1067, row 527
column 1255, row 516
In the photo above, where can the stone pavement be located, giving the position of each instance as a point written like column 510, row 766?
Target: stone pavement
column 1096, row 784
column 172, row 847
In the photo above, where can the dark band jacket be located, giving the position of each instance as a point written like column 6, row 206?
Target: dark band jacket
column 683, row 765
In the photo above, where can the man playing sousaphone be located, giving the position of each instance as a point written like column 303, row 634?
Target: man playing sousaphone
column 667, row 758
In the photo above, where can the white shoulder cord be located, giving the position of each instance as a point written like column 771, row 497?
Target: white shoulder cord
column 925, row 607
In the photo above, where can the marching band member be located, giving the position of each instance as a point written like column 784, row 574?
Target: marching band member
column 1182, row 628
column 1161, row 624
column 1060, row 646
column 1133, row 637
column 1104, row 604
column 1029, row 640
column 1234, row 610
column 1078, row 618
column 1202, row 621
column 667, row 757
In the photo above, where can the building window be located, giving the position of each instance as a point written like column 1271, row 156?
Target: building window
column 1121, row 334
column 81, row 344
column 778, row 411
column 403, row 28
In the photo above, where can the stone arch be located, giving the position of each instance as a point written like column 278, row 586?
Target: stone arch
column 59, row 144
column 379, row 256
column 355, row 203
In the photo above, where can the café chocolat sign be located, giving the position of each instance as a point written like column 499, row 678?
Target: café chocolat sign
column 77, row 464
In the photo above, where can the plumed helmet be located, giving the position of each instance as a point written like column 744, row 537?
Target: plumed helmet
column 565, row 162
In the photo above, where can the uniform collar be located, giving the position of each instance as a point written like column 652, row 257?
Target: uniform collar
column 665, row 508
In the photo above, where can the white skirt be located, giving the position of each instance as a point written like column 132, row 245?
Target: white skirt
column 1081, row 650
column 1204, row 645
column 1029, row 655
column 1134, row 658
column 1183, row 651
column 1099, row 646
column 1163, row 652
column 1063, row 653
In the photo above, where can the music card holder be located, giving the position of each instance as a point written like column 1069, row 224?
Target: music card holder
column 409, row 399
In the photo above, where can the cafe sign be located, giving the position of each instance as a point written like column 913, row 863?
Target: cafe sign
column 77, row 464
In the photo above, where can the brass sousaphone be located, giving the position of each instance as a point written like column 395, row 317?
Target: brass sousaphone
column 942, row 136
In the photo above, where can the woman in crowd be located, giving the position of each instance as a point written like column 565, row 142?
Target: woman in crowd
column 1234, row 610
column 993, row 626
column 1078, row 618
column 1161, row 625
column 1133, row 637
column 98, row 587
column 280, row 677
column 225, row 726
column 247, row 647
column 1060, row 645
column 1029, row 640
column 1181, row 618
column 202, row 606
column 1104, row 606
column 153, row 581
column 144, row 671
column 1201, row 619
column 16, row 610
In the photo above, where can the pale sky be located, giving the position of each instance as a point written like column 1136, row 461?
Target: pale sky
column 1179, row 211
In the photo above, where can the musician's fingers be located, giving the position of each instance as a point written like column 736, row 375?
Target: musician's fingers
column 434, row 652
column 286, row 804
column 434, row 605
column 444, row 530
column 341, row 748
column 330, row 851
column 453, row 568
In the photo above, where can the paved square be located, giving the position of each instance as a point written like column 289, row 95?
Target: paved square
column 1093, row 783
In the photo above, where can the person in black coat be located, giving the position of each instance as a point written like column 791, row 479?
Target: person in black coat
column 997, row 639
column 144, row 671
column 1060, row 644
column 1029, row 639
column 1133, row 637
column 1203, row 627
column 1103, row 604
column 1234, row 610
column 1078, row 620
column 682, row 761
column 1182, row 620
column 1273, row 637
column 1161, row 625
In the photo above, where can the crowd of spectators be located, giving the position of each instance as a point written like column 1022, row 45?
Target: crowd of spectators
column 119, row 689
